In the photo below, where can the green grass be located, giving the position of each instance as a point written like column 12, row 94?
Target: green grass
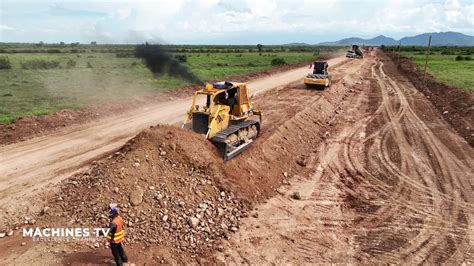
column 218, row 66
column 38, row 92
column 99, row 76
column 446, row 68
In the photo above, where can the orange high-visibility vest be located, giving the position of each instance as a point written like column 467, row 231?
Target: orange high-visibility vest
column 118, row 237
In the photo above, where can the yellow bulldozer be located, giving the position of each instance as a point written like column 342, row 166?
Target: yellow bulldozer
column 223, row 112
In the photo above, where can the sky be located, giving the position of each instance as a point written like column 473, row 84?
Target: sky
column 227, row 21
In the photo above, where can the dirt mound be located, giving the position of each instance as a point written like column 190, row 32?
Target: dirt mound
column 456, row 105
column 31, row 126
column 166, row 185
column 28, row 126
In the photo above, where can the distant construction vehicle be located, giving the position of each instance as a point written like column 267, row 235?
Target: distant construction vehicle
column 223, row 112
column 355, row 52
column 320, row 77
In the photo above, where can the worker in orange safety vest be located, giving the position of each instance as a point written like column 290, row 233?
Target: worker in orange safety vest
column 116, row 236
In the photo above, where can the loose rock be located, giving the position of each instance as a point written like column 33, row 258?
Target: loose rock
column 193, row 222
column 296, row 195
column 136, row 196
column 302, row 161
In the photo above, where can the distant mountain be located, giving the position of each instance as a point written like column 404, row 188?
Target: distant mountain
column 297, row 44
column 379, row 40
column 438, row 39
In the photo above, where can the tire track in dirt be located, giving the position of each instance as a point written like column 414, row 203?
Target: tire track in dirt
column 392, row 186
column 424, row 165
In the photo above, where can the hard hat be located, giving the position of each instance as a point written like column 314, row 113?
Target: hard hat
column 113, row 211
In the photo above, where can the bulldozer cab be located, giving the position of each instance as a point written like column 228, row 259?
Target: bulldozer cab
column 233, row 95
column 320, row 68
column 226, row 100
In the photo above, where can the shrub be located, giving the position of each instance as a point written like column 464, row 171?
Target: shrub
column 5, row 63
column 278, row 61
column 53, row 51
column 89, row 65
column 182, row 58
column 134, row 64
column 124, row 55
column 468, row 58
column 40, row 64
column 71, row 63
column 447, row 52
column 459, row 58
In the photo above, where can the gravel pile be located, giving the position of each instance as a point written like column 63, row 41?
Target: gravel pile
column 168, row 193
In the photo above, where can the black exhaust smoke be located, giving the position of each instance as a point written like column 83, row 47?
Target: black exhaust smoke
column 160, row 61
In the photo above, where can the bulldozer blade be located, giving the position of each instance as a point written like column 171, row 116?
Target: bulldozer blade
column 237, row 151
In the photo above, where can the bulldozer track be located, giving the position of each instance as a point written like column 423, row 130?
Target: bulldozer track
column 220, row 139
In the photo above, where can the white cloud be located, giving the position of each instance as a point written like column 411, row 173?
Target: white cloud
column 123, row 13
column 6, row 28
column 198, row 21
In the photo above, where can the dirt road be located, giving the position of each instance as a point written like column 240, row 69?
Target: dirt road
column 28, row 167
column 394, row 185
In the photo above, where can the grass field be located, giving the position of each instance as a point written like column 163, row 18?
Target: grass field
column 446, row 68
column 84, row 75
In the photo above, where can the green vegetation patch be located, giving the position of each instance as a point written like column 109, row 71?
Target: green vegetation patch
column 450, row 64
column 448, row 68
column 37, row 79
